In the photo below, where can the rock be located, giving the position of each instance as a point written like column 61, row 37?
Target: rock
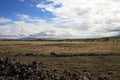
column 85, row 78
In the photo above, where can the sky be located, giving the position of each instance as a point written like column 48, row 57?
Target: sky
column 59, row 19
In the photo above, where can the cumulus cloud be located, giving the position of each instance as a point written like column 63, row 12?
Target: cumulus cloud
column 33, row 27
column 100, row 17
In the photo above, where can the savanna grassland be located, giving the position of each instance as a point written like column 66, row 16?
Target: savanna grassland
column 45, row 47
column 108, row 65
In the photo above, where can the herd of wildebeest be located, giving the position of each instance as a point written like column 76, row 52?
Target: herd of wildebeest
column 10, row 69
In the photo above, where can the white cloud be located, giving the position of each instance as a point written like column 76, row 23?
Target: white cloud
column 23, row 16
column 100, row 17
column 31, row 27
column 4, row 20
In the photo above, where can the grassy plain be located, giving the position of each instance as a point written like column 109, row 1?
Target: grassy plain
column 96, row 65
column 46, row 47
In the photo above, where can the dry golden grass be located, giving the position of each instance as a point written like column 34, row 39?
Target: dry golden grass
column 59, row 47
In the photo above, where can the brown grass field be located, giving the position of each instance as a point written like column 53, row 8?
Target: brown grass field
column 96, row 65
column 46, row 47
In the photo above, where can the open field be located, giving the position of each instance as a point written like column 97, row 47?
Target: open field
column 100, row 65
column 45, row 47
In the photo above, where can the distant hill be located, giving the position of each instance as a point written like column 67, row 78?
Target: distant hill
column 118, row 36
column 111, row 38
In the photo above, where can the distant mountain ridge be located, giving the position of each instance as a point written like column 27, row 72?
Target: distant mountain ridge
column 29, row 38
